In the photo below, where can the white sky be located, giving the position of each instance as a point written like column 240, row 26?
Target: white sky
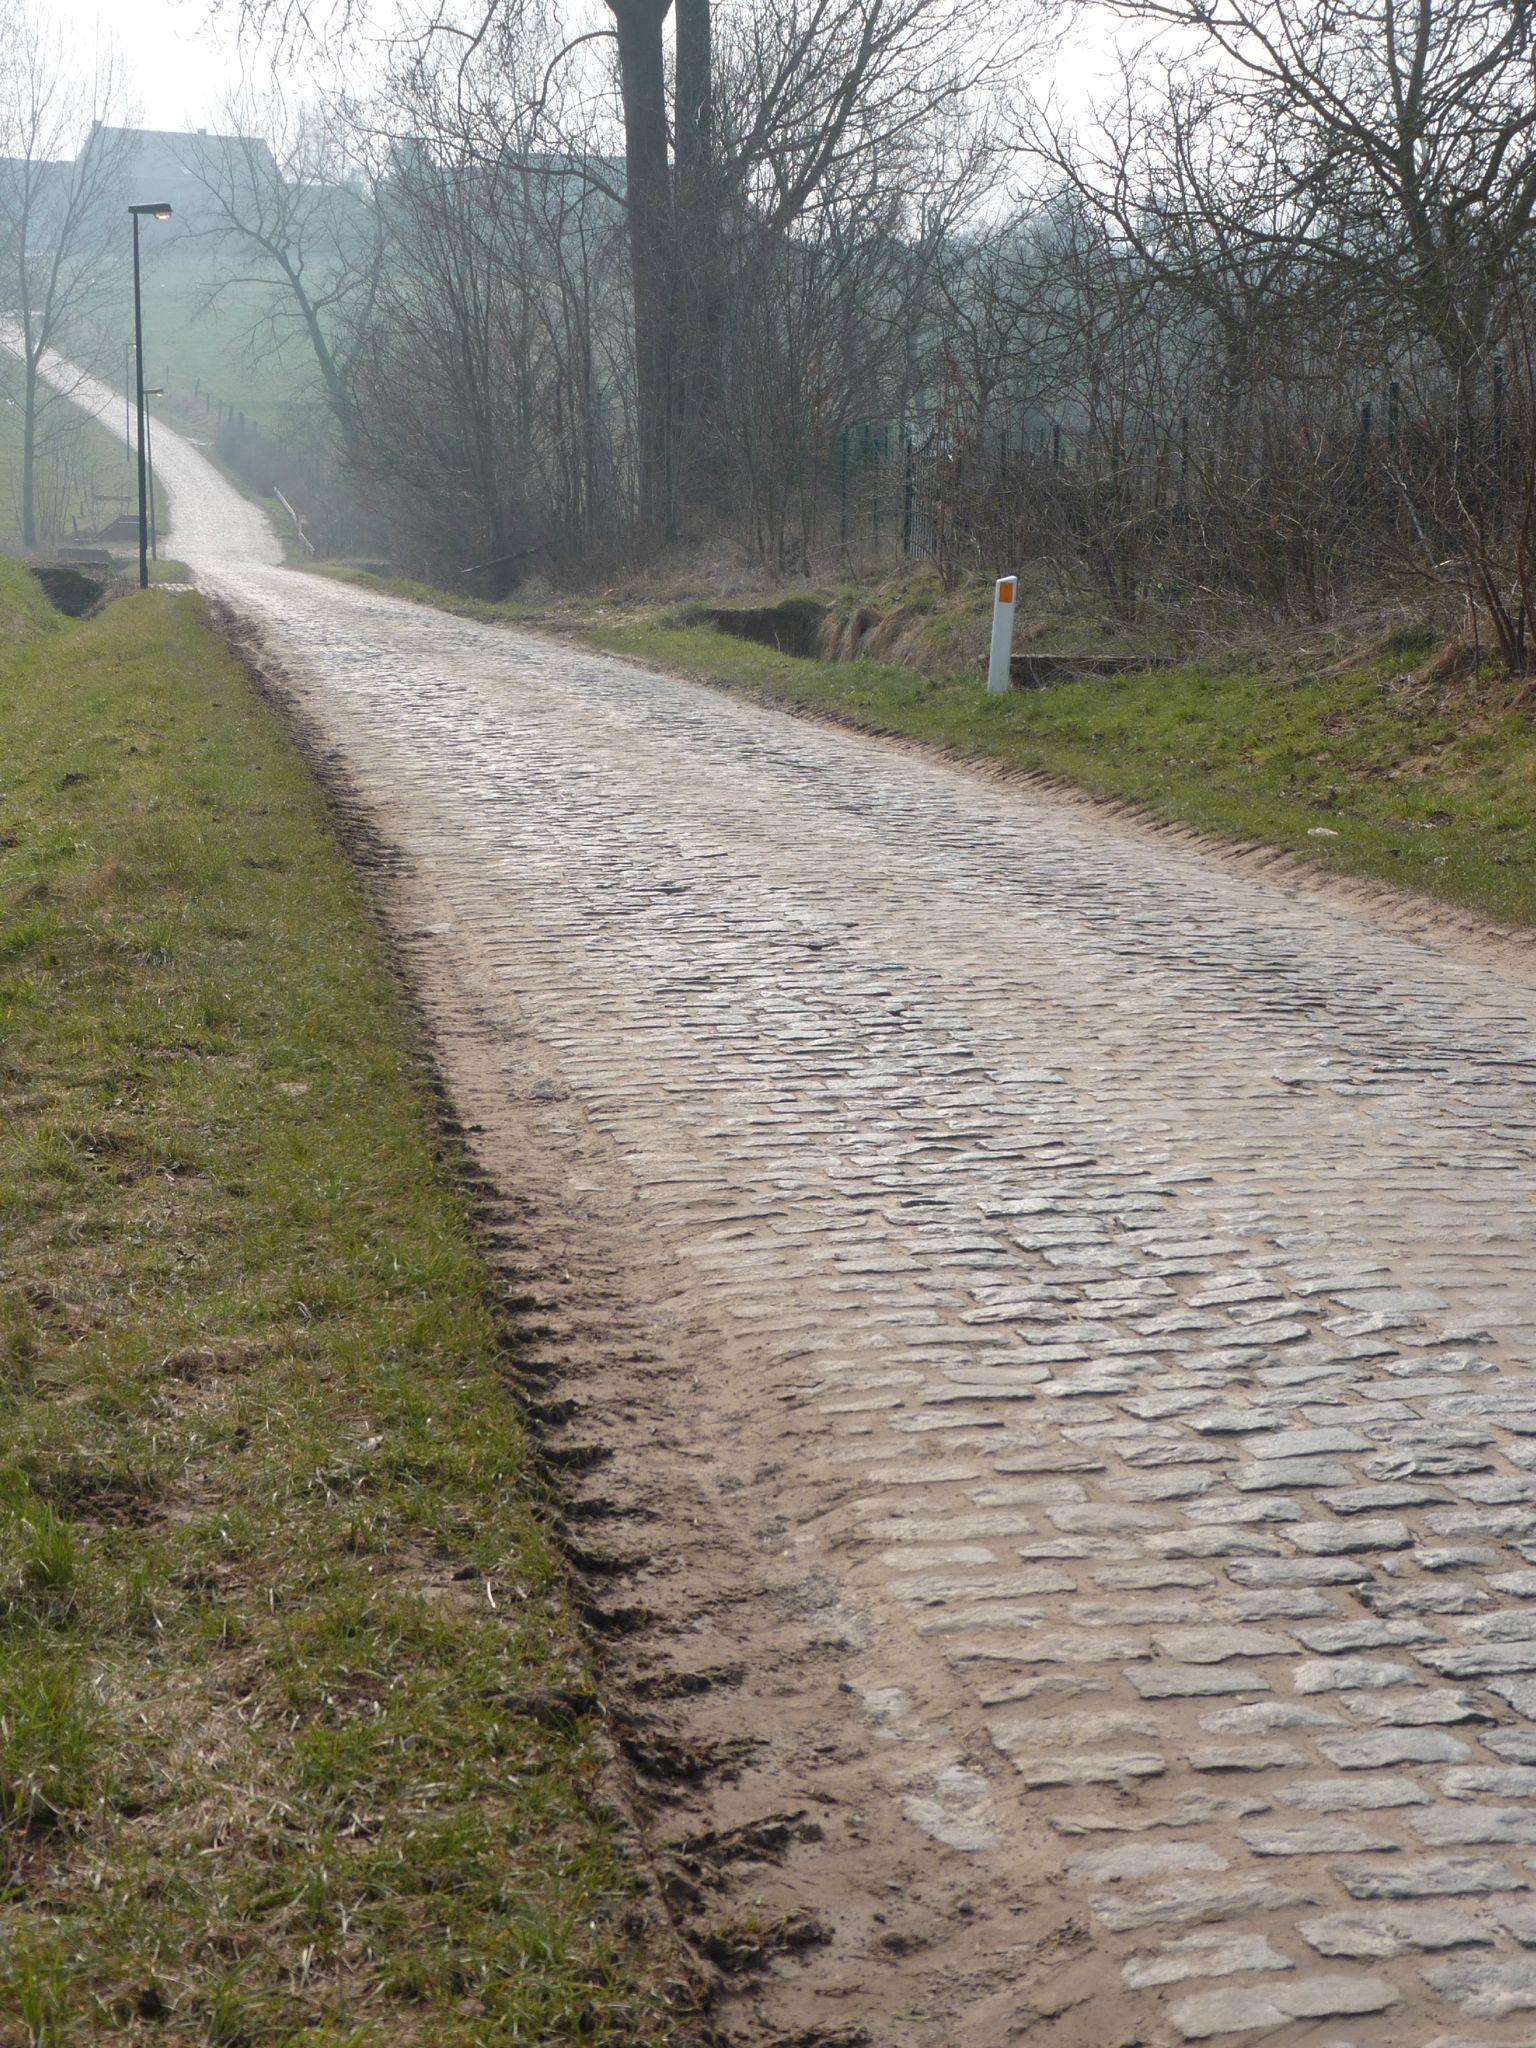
column 181, row 62
column 178, row 67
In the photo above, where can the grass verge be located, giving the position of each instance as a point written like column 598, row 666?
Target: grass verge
column 279, row 1627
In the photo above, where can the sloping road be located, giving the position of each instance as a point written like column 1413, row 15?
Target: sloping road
column 1129, row 1260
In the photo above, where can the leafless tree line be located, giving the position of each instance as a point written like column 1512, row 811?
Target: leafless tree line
column 1261, row 327
column 622, row 285
column 60, row 253
column 1256, row 325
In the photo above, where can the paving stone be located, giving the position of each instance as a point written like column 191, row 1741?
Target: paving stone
column 1219, row 1542
column 1375, row 1934
column 1279, row 1603
column 1485, row 1660
column 1489, row 1781
column 1342, row 1795
column 1191, row 1810
column 1216, row 1954
column 1455, row 1557
column 1039, row 1772
column 1474, row 1825
column 1211, row 2013
column 1310, row 1443
column 1329, row 1539
column 1430, row 1877
column 1287, row 1474
column 1297, row 1571
column 1316, row 1838
column 1484, row 1989
column 1515, row 1745
column 1149, row 1576
column 1451, row 1597
column 1385, row 1494
column 1516, row 1917
column 1216, row 1645
column 1434, row 1707
column 1373, row 1751
column 1245, row 1756
column 1349, row 1674
column 1053, row 1734
column 1264, row 1715
column 1238, row 1511
column 1332, row 1639
column 1231, row 1422
column 1137, row 1860
column 1184, row 1902
column 1509, row 1625
column 1192, row 1681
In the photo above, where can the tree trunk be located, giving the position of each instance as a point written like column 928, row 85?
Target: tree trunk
column 648, row 196
column 29, row 453
column 699, row 283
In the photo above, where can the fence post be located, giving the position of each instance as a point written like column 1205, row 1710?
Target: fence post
column 999, row 674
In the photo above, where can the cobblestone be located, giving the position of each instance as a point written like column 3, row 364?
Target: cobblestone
column 991, row 1145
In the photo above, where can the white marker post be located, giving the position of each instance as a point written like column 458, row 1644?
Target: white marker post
column 999, row 677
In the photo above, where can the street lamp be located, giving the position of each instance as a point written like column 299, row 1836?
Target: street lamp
column 157, row 209
column 152, row 391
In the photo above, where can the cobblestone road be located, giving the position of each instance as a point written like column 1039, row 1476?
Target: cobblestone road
column 1139, row 1253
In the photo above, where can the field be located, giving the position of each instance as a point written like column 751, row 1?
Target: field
column 299, row 1735
column 197, row 344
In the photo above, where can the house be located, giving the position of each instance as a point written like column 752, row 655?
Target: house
column 184, row 169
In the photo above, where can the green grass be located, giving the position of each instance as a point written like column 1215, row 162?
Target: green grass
column 275, row 1593
column 1434, row 792
column 24, row 611
column 197, row 346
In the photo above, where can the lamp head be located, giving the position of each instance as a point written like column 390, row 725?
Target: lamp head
column 157, row 209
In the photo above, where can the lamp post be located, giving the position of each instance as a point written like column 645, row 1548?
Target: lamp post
column 157, row 209
column 152, row 391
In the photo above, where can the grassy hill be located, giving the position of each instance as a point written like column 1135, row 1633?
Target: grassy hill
column 202, row 342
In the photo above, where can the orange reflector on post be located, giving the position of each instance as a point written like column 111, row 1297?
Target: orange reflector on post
column 1005, row 592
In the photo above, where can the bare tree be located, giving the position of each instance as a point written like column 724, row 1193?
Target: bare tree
column 1401, row 137
column 61, row 174
column 487, row 383
column 292, row 202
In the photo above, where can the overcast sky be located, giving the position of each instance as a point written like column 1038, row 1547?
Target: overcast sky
column 181, row 66
column 178, row 68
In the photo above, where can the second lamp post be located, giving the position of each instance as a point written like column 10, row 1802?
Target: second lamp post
column 157, row 209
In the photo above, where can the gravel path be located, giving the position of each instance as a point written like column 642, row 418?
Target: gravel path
column 1128, row 1257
